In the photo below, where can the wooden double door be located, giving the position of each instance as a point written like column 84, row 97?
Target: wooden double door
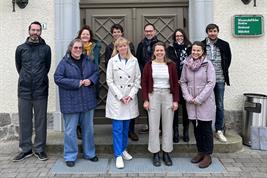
column 100, row 16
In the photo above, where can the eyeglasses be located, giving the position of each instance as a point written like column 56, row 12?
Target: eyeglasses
column 77, row 47
column 179, row 35
column 149, row 31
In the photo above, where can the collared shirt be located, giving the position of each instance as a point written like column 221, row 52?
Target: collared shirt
column 214, row 55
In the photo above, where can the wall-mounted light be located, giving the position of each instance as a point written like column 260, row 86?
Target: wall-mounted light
column 248, row 1
column 21, row 3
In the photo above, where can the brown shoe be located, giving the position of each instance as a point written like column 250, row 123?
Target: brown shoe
column 133, row 136
column 197, row 158
column 206, row 161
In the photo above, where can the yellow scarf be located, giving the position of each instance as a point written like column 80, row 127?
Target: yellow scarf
column 88, row 48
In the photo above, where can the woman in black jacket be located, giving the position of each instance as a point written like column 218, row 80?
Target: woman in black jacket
column 178, row 52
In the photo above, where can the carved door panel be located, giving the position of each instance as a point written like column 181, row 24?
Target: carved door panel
column 166, row 20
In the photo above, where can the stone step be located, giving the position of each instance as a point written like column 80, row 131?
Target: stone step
column 103, row 141
column 107, row 121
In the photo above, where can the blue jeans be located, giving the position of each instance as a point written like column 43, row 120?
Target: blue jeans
column 219, row 97
column 120, row 136
column 70, row 136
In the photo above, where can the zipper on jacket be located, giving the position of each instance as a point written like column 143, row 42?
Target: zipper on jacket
column 194, row 96
column 32, row 82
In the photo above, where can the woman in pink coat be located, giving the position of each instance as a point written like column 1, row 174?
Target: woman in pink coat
column 197, row 83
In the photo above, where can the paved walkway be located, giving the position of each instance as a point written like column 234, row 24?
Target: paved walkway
column 245, row 163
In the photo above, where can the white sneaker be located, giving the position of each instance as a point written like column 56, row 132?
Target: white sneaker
column 119, row 162
column 126, row 155
column 219, row 135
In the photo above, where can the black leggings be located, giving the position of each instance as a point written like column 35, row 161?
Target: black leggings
column 204, row 136
column 184, row 117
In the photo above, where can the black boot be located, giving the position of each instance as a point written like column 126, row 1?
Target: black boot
column 186, row 135
column 156, row 159
column 166, row 158
column 175, row 134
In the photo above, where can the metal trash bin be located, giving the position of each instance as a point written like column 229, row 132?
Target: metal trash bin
column 254, row 114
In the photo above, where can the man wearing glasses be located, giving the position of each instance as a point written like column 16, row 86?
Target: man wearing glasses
column 144, row 52
column 33, row 60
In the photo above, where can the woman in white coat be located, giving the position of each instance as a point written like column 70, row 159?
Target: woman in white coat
column 123, row 80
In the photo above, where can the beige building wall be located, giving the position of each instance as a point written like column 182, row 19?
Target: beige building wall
column 247, row 71
column 14, row 31
column 249, row 62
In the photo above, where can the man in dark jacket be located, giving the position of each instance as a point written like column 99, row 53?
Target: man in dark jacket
column 144, row 54
column 144, row 49
column 33, row 60
column 219, row 52
column 116, row 31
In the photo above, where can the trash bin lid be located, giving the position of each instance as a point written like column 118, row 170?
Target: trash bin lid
column 255, row 95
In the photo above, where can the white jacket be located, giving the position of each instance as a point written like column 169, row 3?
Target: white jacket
column 122, row 80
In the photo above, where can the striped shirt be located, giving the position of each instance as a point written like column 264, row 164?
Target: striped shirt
column 160, row 75
column 214, row 55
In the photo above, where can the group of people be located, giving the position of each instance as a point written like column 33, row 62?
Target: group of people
column 191, row 74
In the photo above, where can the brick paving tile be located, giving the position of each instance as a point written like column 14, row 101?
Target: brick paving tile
column 262, row 169
column 162, row 174
column 75, row 175
column 233, row 169
column 118, row 175
column 202, row 174
column 247, row 160
column 62, row 176
column 249, row 169
column 34, row 174
column 43, row 174
column 227, row 164
column 8, row 175
column 237, row 164
column 5, row 166
column 22, row 175
column 88, row 175
column 132, row 174
column 8, row 170
column 231, row 174
column 227, row 160
column 259, row 174
column 256, row 156
column 254, row 164
column 174, row 174
column 188, row 174
column 216, row 174
column 32, row 169
column 148, row 174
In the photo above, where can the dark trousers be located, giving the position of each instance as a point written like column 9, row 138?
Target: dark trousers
column 26, row 110
column 204, row 136
column 131, row 126
column 184, row 115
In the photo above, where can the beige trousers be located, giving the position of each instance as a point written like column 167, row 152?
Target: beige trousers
column 160, row 102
